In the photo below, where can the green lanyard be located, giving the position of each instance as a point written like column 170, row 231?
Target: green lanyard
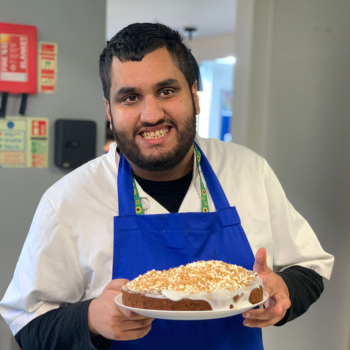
column 205, row 207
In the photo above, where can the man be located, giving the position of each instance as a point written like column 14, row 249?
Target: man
column 62, row 296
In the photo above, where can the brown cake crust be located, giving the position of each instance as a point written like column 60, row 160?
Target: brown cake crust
column 141, row 301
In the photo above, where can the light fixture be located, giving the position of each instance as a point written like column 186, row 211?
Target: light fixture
column 226, row 60
column 189, row 31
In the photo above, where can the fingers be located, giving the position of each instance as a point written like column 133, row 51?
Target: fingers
column 127, row 330
column 262, row 314
column 116, row 284
column 283, row 303
column 260, row 264
column 129, row 325
column 269, row 316
column 130, row 315
column 136, row 333
column 112, row 321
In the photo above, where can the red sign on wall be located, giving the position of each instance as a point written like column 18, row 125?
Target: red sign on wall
column 38, row 128
column 14, row 57
column 47, row 67
column 18, row 50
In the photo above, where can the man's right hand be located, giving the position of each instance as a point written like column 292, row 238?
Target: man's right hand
column 106, row 319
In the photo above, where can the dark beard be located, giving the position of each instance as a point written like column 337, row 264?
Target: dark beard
column 164, row 161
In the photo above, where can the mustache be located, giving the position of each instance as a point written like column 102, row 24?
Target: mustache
column 159, row 122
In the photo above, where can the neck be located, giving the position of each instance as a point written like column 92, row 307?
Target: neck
column 179, row 171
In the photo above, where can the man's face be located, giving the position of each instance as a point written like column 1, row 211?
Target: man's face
column 153, row 111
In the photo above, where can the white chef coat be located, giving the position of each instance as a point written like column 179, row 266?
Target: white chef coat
column 67, row 256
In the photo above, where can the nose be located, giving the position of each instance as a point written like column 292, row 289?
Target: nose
column 151, row 111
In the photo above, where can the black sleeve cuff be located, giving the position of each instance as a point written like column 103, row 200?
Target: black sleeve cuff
column 63, row 328
column 305, row 287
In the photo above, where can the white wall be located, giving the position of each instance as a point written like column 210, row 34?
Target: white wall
column 242, row 49
column 297, row 107
column 213, row 47
column 78, row 27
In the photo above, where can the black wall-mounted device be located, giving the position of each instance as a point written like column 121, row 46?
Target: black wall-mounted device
column 75, row 142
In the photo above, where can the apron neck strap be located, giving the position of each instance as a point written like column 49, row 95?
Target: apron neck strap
column 126, row 201
column 213, row 184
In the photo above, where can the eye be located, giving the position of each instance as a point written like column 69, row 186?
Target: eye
column 130, row 98
column 166, row 92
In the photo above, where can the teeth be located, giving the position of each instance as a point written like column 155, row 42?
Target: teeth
column 155, row 134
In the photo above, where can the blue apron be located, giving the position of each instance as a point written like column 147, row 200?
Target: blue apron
column 162, row 241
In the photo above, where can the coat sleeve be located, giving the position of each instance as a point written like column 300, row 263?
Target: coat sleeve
column 52, row 331
column 294, row 241
column 47, row 274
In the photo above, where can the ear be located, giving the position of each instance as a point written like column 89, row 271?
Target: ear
column 108, row 112
column 195, row 97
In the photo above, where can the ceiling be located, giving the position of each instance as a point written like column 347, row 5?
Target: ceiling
column 209, row 17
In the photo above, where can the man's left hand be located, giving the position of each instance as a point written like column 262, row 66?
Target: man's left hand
column 278, row 302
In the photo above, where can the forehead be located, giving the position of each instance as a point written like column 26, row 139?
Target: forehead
column 154, row 67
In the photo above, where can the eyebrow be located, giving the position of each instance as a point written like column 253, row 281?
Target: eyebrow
column 167, row 82
column 132, row 90
column 124, row 91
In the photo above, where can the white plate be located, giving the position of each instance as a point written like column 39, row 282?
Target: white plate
column 187, row 315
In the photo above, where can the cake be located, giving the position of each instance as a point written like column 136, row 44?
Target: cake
column 198, row 286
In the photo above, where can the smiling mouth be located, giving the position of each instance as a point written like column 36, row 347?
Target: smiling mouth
column 155, row 134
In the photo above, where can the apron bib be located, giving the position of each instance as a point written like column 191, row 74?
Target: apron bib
column 163, row 241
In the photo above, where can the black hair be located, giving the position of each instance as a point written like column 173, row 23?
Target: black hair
column 136, row 40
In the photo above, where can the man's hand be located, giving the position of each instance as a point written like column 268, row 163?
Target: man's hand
column 107, row 319
column 278, row 302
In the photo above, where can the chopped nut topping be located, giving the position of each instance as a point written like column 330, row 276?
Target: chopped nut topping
column 201, row 276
